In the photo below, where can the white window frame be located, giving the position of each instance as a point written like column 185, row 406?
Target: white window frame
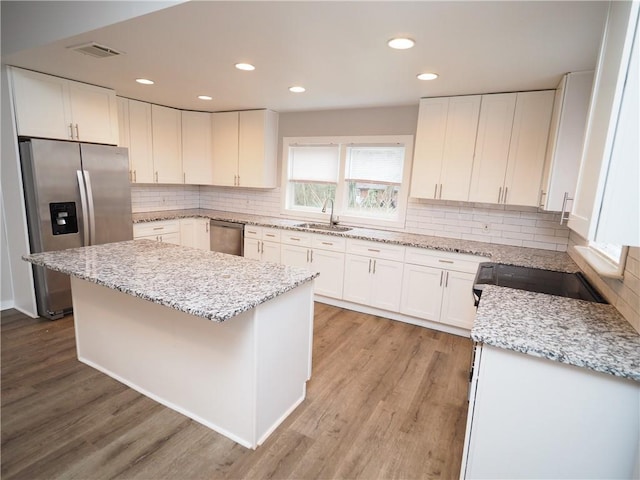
column 602, row 261
column 341, row 191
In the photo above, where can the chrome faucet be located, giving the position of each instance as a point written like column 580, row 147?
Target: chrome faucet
column 324, row 210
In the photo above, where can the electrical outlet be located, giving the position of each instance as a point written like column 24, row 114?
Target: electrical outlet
column 485, row 227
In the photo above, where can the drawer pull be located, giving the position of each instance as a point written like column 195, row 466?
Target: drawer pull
column 158, row 228
column 327, row 243
column 373, row 250
column 295, row 238
column 252, row 232
column 446, row 261
column 269, row 235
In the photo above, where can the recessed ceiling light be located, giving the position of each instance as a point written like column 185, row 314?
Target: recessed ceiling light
column 205, row 97
column 144, row 81
column 427, row 76
column 245, row 66
column 297, row 89
column 401, row 43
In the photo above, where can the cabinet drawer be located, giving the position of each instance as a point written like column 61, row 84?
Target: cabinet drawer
column 252, row 232
column 271, row 234
column 459, row 262
column 296, row 238
column 329, row 242
column 376, row 249
column 156, row 228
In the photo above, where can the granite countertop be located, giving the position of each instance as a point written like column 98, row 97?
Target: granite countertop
column 585, row 334
column 520, row 256
column 211, row 285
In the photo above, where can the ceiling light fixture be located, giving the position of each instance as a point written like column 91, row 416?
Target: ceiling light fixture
column 245, row 66
column 144, row 81
column 427, row 76
column 205, row 97
column 297, row 89
column 401, row 43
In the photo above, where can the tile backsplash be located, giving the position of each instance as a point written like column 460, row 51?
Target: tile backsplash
column 507, row 225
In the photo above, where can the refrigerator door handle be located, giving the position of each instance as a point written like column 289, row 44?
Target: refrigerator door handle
column 92, row 213
column 85, row 210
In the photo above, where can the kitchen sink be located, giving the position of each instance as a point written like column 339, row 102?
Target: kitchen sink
column 324, row 226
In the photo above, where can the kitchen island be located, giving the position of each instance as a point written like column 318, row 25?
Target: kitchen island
column 222, row 339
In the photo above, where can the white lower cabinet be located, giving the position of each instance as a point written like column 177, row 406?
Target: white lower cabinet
column 374, row 279
column 262, row 243
column 194, row 232
column 165, row 231
column 319, row 253
column 532, row 417
column 438, row 286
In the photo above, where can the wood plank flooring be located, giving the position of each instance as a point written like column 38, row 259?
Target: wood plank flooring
column 386, row 400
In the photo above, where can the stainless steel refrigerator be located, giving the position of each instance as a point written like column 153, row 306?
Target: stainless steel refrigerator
column 76, row 194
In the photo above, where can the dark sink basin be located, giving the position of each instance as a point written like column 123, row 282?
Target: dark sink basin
column 324, row 226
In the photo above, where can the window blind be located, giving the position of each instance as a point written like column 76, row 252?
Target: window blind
column 382, row 165
column 314, row 163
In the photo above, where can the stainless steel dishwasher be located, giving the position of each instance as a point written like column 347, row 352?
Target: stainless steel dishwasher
column 227, row 237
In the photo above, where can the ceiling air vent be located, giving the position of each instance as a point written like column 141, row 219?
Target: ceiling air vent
column 96, row 50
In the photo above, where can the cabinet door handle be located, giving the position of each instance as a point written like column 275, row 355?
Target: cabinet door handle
column 258, row 245
column 156, row 177
column 130, row 176
column 160, row 238
column 369, row 265
column 440, row 196
column 543, row 194
column 435, row 192
column 307, row 256
column 506, row 190
column 374, row 266
column 71, row 130
column 441, row 275
column 446, row 280
column 184, row 177
column 565, row 199
column 311, row 256
column 500, row 195
column 134, row 177
column 207, row 224
column 77, row 132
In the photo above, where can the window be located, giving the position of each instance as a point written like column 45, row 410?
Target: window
column 366, row 177
column 607, row 259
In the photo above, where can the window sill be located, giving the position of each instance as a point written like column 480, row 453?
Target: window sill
column 601, row 265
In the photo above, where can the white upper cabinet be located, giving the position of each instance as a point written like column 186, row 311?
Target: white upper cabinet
column 492, row 148
column 445, row 143
column 52, row 107
column 134, row 119
column 197, row 154
column 607, row 201
column 244, row 148
column 166, row 126
column 225, row 126
column 528, row 147
column 566, row 138
column 510, row 148
column 257, row 148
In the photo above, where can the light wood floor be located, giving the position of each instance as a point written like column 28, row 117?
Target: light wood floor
column 386, row 400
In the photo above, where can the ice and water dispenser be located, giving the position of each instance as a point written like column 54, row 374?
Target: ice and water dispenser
column 63, row 218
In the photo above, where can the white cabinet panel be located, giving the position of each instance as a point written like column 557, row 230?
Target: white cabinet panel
column 140, row 142
column 294, row 256
column 386, row 284
column 357, row 281
column 445, row 144
column 94, row 111
column 566, row 137
column 528, row 147
column 270, row 252
column 244, row 148
column 225, row 127
column 606, row 206
column 197, row 157
column 422, row 291
column 252, row 248
column 262, row 243
column 492, row 147
column 330, row 264
column 166, row 126
column 52, row 107
column 457, row 300
column 194, row 232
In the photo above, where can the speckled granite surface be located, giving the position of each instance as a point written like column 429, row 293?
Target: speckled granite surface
column 584, row 334
column 522, row 256
column 205, row 284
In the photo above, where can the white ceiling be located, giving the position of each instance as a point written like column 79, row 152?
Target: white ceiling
column 337, row 50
